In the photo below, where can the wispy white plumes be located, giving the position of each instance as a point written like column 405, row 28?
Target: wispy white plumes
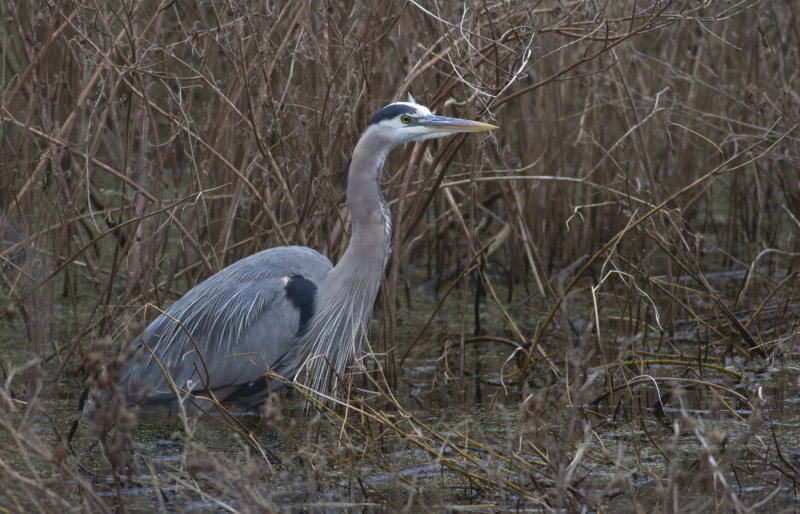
column 335, row 336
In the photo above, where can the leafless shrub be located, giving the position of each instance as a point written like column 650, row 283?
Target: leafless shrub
column 631, row 230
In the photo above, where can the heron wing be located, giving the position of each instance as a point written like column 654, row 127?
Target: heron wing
column 227, row 330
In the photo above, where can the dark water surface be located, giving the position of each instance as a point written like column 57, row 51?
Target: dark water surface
column 454, row 436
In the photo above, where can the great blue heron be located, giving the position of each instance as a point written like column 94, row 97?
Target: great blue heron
column 285, row 309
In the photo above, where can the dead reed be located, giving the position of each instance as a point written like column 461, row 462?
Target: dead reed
column 610, row 279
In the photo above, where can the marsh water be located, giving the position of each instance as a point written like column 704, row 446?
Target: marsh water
column 460, row 434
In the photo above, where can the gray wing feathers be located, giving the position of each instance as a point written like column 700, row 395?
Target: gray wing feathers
column 240, row 319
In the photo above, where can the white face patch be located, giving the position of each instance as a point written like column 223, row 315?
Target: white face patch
column 285, row 282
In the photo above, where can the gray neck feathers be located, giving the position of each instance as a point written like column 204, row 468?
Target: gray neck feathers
column 336, row 333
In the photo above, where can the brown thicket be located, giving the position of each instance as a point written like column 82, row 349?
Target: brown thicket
column 626, row 242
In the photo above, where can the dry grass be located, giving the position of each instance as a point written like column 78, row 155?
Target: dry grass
column 629, row 237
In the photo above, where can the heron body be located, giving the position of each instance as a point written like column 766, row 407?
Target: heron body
column 286, row 309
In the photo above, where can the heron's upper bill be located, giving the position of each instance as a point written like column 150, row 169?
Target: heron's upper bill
column 445, row 124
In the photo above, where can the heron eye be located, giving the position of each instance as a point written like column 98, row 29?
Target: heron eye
column 405, row 118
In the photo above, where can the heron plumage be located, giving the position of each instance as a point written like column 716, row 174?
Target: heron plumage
column 285, row 309
column 229, row 317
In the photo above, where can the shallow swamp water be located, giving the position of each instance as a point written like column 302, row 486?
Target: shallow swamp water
column 593, row 308
column 455, row 432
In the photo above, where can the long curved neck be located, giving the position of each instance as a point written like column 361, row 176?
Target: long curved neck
column 347, row 293
column 365, row 257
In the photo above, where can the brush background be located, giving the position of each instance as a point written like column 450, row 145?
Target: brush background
column 646, row 150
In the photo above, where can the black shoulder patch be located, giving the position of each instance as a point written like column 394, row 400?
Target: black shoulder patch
column 391, row 111
column 302, row 293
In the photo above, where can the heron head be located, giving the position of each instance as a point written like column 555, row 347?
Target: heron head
column 403, row 122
